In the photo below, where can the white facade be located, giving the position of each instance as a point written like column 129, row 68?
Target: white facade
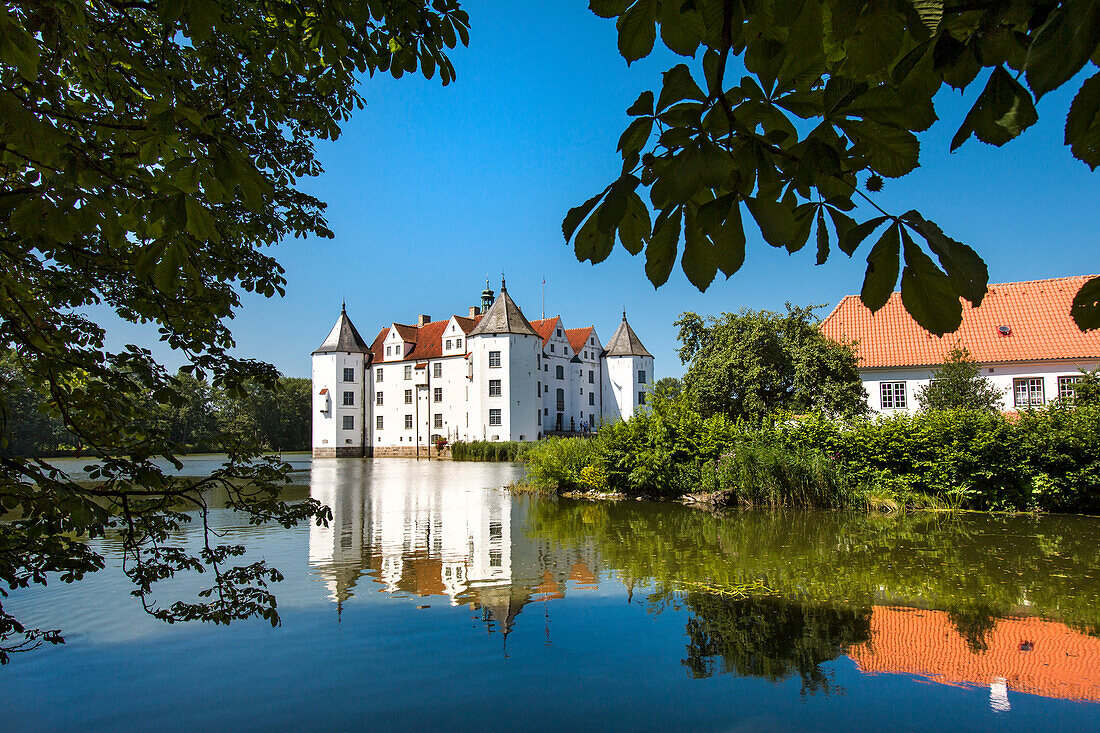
column 1022, row 384
column 488, row 376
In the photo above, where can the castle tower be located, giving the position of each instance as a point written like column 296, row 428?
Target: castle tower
column 627, row 373
column 340, row 388
column 504, row 351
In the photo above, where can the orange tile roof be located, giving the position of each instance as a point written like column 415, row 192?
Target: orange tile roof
column 578, row 337
column 1037, row 312
column 409, row 333
column 427, row 340
column 1032, row 655
column 545, row 327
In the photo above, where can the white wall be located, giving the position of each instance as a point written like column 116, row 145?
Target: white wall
column 1001, row 375
column 621, row 387
column 329, row 409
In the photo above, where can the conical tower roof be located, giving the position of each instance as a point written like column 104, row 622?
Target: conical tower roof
column 503, row 316
column 343, row 337
column 625, row 342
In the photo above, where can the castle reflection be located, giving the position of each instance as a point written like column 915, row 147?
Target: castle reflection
column 398, row 526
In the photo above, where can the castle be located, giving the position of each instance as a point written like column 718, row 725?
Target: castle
column 490, row 375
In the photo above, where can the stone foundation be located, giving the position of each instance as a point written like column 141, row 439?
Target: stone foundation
column 340, row 452
column 409, row 451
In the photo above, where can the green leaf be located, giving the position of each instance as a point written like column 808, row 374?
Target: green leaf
column 1086, row 305
column 720, row 220
column 966, row 271
column 854, row 236
column 678, row 85
column 698, row 261
column 637, row 30
column 643, row 105
column 681, row 31
column 822, row 238
column 593, row 243
column 776, row 221
column 613, row 208
column 200, row 222
column 608, row 8
column 926, row 291
column 660, row 255
column 1063, row 45
column 576, row 215
column 634, row 229
column 930, row 13
column 882, row 269
column 891, row 151
column 1003, row 110
column 1083, row 123
column 635, row 136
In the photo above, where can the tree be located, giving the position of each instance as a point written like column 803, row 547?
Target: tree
column 959, row 385
column 667, row 388
column 149, row 152
column 834, row 94
column 1086, row 393
column 753, row 363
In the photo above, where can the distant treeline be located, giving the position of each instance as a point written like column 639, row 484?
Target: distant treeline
column 278, row 418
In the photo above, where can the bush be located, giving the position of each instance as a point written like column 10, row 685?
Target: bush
column 763, row 473
column 487, row 450
column 564, row 464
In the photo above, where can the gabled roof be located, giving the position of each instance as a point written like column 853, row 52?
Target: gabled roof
column 504, row 316
column 343, row 338
column 545, row 327
column 578, row 337
column 407, row 333
column 1036, row 314
column 624, row 342
column 427, row 340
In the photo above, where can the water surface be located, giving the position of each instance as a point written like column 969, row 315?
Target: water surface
column 437, row 599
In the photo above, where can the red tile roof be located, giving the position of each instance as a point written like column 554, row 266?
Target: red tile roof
column 1037, row 312
column 427, row 340
column 409, row 333
column 1032, row 655
column 578, row 337
column 545, row 327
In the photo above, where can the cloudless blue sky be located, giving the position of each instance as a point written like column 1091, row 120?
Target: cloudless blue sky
column 431, row 189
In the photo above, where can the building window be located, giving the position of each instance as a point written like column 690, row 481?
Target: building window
column 349, row 398
column 641, row 398
column 892, row 395
column 408, row 422
column 591, row 398
column 539, row 415
column 408, row 397
column 546, row 367
column 1028, row 391
column 560, row 400
column 349, row 374
column 378, row 374
column 377, row 422
column 546, row 411
column 551, row 348
column 495, row 558
column 458, row 343
column 437, row 421
column 408, row 371
column 641, row 376
column 494, row 359
column 559, row 332
column 349, row 422
column 437, row 369
column 494, row 416
column 437, row 394
column 378, row 398
column 1067, row 387
column 559, row 370
column 538, row 389
column 494, row 388
column 389, row 351
column 591, row 377
column 448, row 344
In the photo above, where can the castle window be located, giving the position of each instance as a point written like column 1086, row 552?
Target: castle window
column 495, row 558
column 408, row 397
column 546, row 410
column 546, row 389
column 437, row 421
column 641, row 376
column 378, row 422
column 349, row 422
column 408, row 422
column 408, row 371
column 378, row 398
column 591, row 377
column 539, row 414
column 458, row 343
column 349, row 398
column 551, row 348
column 437, row 394
column 892, row 395
column 349, row 374
column 560, row 371
column 494, row 416
column 378, row 374
column 546, row 367
column 494, row 388
column 591, row 398
column 641, row 398
column 389, row 351
column 559, row 332
column 448, row 345
column 494, row 359
column 437, row 368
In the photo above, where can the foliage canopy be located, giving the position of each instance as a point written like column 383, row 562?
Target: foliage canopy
column 959, row 385
column 149, row 152
column 835, row 91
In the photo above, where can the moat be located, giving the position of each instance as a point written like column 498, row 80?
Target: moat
column 438, row 599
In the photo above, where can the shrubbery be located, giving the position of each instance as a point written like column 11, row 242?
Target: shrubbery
column 487, row 450
column 1046, row 459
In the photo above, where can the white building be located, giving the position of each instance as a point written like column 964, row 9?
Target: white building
column 490, row 375
column 1022, row 335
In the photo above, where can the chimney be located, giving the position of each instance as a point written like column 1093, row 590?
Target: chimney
column 474, row 311
column 422, row 320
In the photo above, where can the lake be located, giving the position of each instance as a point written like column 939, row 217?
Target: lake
column 437, row 599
